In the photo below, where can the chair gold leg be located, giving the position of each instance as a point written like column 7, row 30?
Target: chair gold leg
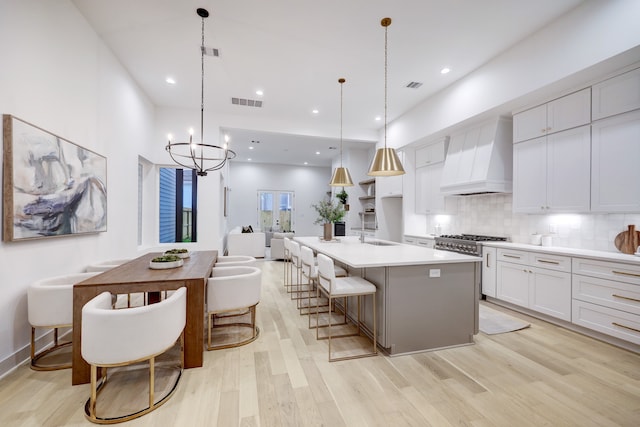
column 35, row 358
column 152, row 380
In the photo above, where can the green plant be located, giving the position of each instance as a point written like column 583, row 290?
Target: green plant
column 328, row 212
column 342, row 196
column 166, row 258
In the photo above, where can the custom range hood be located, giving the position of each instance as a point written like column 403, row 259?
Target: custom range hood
column 480, row 159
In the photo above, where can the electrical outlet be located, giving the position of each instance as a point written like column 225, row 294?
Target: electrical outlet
column 434, row 272
column 553, row 228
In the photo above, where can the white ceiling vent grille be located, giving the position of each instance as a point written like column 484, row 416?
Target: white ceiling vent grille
column 210, row 51
column 246, row 102
column 414, row 85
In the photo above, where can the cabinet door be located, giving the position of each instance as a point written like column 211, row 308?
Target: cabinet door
column 429, row 199
column 432, row 153
column 569, row 170
column 489, row 271
column 529, row 176
column 615, row 173
column 616, row 95
column 530, row 124
column 569, row 111
column 512, row 283
column 550, row 292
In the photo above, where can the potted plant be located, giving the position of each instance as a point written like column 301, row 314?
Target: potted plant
column 342, row 196
column 328, row 213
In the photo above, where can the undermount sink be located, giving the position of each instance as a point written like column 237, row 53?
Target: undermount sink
column 379, row 243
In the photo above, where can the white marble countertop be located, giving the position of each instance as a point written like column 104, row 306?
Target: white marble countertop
column 573, row 252
column 350, row 251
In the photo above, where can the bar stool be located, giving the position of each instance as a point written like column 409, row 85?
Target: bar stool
column 287, row 262
column 344, row 287
column 296, row 263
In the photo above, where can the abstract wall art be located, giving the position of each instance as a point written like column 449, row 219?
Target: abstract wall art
column 51, row 186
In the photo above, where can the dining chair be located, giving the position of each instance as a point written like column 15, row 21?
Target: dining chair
column 232, row 293
column 344, row 287
column 235, row 260
column 103, row 266
column 50, row 305
column 114, row 338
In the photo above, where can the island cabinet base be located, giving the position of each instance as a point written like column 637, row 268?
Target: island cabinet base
column 426, row 307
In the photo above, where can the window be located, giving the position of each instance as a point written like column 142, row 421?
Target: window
column 178, row 205
column 275, row 210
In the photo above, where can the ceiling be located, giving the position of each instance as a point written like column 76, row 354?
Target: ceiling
column 295, row 51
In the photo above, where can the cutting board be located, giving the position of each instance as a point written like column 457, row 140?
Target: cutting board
column 628, row 241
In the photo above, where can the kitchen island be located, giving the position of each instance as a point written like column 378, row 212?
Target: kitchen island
column 426, row 299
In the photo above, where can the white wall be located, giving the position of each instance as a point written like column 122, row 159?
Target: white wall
column 57, row 74
column 310, row 185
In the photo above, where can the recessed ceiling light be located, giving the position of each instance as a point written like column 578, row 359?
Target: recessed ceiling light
column 170, row 80
column 378, row 118
column 445, row 70
column 251, row 148
column 259, row 93
column 306, row 163
column 315, row 111
column 317, row 153
column 249, row 159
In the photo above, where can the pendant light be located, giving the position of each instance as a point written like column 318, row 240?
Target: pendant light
column 386, row 161
column 341, row 176
column 201, row 157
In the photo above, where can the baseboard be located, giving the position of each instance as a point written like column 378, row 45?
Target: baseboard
column 23, row 355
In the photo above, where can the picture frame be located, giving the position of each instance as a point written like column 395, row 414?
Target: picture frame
column 52, row 187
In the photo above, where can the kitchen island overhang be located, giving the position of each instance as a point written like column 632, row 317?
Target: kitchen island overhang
column 426, row 299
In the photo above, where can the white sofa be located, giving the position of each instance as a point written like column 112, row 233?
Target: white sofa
column 277, row 244
column 252, row 244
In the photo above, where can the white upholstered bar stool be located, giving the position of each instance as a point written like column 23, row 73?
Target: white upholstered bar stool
column 50, row 305
column 309, row 271
column 296, row 288
column 286, row 262
column 345, row 287
column 112, row 338
column 235, row 260
column 233, row 292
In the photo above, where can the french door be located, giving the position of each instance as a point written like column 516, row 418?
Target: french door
column 276, row 210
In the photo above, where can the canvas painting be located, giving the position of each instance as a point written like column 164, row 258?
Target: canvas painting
column 51, row 186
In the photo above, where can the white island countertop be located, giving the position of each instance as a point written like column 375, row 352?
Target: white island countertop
column 350, row 251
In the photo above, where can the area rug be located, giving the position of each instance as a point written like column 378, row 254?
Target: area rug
column 495, row 322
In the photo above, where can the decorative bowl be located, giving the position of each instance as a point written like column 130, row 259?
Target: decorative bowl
column 181, row 253
column 165, row 262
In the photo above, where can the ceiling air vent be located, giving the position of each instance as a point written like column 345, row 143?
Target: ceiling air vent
column 246, row 102
column 414, row 85
column 210, row 51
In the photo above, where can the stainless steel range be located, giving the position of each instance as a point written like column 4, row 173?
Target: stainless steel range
column 468, row 244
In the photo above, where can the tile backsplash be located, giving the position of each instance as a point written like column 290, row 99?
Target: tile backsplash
column 491, row 214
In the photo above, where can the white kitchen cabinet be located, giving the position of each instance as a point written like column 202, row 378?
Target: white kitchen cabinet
column 419, row 241
column 431, row 153
column 570, row 111
column 616, row 95
column 553, row 173
column 429, row 199
column 538, row 281
column 489, row 271
column 614, row 163
column 606, row 297
column 390, row 186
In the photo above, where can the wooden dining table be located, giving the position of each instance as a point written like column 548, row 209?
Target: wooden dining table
column 136, row 276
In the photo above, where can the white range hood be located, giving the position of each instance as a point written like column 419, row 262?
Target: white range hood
column 480, row 159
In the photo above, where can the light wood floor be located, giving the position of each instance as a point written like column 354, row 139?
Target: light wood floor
column 540, row 376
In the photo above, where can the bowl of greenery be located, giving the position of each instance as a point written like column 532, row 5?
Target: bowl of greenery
column 166, row 261
column 181, row 253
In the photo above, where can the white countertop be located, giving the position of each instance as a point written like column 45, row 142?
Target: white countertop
column 574, row 252
column 350, row 251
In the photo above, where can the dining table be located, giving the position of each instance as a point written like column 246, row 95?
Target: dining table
column 137, row 276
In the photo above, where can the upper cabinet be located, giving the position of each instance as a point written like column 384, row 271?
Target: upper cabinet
column 615, row 174
column 432, row 153
column 560, row 114
column 616, row 95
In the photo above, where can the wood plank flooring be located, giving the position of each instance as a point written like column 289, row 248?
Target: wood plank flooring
column 541, row 376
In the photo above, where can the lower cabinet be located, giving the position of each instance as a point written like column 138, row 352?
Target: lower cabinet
column 606, row 298
column 521, row 281
column 489, row 271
